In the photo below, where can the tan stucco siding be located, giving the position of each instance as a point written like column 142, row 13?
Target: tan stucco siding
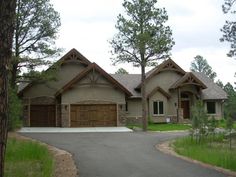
column 93, row 87
column 96, row 93
column 219, row 109
column 173, row 103
column 66, row 72
column 94, row 77
column 134, row 108
column 190, row 88
column 38, row 90
column 164, row 80
column 158, row 97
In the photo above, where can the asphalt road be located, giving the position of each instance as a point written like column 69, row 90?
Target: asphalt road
column 123, row 155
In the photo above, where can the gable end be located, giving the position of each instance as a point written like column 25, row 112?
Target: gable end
column 74, row 56
column 92, row 67
column 188, row 79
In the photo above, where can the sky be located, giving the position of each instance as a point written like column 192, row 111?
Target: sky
column 88, row 25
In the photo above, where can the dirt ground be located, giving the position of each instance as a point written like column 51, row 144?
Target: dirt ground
column 64, row 163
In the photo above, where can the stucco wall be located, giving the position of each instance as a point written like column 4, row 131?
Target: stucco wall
column 190, row 88
column 158, row 97
column 164, row 80
column 219, row 113
column 134, row 108
column 67, row 72
column 172, row 103
column 134, row 113
column 98, row 90
column 80, row 94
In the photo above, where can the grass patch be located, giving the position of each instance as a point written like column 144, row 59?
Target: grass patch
column 222, row 124
column 167, row 127
column 27, row 159
column 212, row 150
column 163, row 126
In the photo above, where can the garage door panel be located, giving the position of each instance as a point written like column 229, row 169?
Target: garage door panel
column 42, row 116
column 96, row 115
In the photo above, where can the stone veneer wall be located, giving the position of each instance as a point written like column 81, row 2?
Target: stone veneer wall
column 121, row 115
column 26, row 114
column 163, row 119
column 131, row 120
column 58, row 115
column 65, row 115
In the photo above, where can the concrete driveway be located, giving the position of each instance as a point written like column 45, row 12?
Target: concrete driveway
column 123, row 155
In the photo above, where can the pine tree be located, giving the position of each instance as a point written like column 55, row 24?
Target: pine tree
column 142, row 39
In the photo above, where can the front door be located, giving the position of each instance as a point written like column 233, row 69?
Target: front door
column 186, row 109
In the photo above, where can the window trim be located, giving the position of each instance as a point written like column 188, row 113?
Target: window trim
column 214, row 107
column 158, row 101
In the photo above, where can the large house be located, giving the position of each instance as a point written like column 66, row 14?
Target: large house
column 84, row 95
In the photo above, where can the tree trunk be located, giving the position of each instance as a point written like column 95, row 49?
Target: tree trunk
column 14, row 61
column 7, row 17
column 13, row 74
column 144, row 100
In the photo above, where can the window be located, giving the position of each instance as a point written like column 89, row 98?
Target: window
column 158, row 107
column 211, row 107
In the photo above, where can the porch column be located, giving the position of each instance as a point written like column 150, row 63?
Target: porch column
column 179, row 110
column 179, row 98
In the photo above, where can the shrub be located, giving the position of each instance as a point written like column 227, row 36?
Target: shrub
column 199, row 121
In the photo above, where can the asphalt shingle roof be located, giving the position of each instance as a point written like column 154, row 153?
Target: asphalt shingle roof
column 130, row 81
column 213, row 91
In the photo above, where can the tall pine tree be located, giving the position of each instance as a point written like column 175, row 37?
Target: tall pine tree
column 229, row 28
column 142, row 39
column 199, row 64
column 36, row 28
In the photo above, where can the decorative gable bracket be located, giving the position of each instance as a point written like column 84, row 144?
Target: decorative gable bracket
column 188, row 79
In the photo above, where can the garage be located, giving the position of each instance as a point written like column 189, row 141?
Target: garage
column 93, row 115
column 42, row 116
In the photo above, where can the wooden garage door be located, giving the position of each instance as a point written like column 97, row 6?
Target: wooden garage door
column 42, row 116
column 97, row 115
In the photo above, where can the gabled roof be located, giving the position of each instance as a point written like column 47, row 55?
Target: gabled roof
column 188, row 79
column 167, row 65
column 161, row 90
column 92, row 67
column 72, row 55
column 213, row 91
column 130, row 83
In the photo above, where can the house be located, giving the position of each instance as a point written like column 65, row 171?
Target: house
column 84, row 95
